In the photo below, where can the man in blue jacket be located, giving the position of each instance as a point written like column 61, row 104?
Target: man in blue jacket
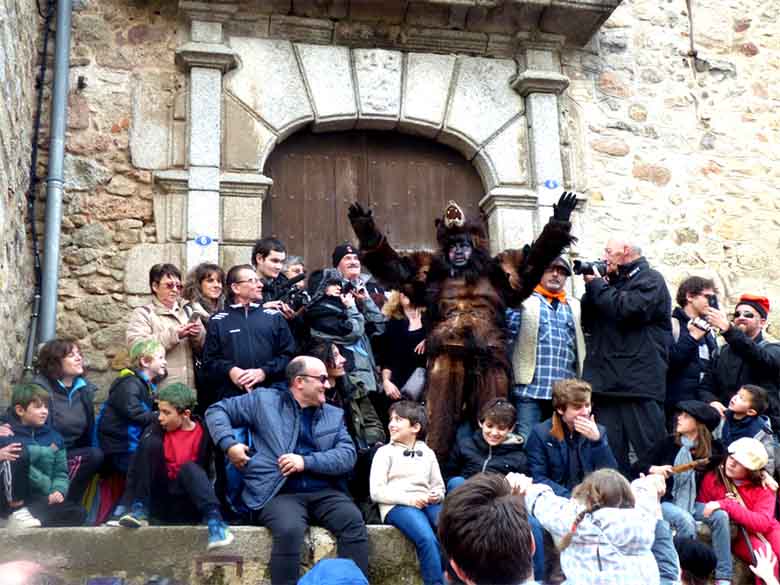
column 297, row 468
column 246, row 345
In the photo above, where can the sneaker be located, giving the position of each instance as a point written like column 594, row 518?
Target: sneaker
column 112, row 522
column 22, row 518
column 135, row 519
column 219, row 534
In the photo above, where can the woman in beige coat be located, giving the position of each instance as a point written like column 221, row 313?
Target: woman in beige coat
column 168, row 321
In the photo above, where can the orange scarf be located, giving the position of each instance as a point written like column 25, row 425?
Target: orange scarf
column 561, row 296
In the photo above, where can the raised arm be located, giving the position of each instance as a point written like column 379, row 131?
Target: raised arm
column 548, row 246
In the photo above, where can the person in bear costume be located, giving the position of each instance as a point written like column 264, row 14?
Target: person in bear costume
column 466, row 292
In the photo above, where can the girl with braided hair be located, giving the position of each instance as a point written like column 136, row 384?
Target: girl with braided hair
column 605, row 532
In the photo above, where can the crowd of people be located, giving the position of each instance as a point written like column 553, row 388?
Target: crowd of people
column 273, row 395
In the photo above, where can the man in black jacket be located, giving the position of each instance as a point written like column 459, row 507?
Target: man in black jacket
column 748, row 357
column 627, row 314
column 693, row 353
column 246, row 345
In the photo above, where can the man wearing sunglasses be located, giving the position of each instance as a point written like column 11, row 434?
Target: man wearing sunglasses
column 296, row 472
column 748, row 357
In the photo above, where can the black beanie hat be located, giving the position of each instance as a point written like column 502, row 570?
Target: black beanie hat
column 341, row 251
column 702, row 412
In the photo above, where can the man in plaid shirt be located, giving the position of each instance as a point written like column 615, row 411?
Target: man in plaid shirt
column 549, row 345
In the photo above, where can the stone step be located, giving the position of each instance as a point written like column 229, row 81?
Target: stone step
column 179, row 552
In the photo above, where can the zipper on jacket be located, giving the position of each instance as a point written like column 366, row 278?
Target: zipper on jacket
column 489, row 457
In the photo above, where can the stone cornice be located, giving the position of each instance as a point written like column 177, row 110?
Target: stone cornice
column 207, row 55
column 535, row 81
column 244, row 185
column 208, row 11
column 509, row 197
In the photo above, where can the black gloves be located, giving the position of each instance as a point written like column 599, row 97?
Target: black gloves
column 566, row 204
column 362, row 221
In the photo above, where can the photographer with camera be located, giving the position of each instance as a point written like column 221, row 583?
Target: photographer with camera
column 627, row 312
column 693, row 353
column 748, row 357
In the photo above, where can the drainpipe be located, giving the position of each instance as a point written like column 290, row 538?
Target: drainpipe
column 55, row 180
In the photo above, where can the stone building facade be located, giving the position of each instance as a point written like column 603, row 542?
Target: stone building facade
column 18, row 40
column 183, row 102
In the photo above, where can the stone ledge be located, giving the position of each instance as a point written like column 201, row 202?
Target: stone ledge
column 179, row 552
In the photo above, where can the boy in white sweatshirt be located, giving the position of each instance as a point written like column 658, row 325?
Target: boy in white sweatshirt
column 407, row 484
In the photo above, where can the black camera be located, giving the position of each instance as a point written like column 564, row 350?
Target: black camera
column 295, row 297
column 587, row 268
column 347, row 287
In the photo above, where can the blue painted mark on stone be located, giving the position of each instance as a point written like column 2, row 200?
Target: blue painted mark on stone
column 551, row 184
column 203, row 241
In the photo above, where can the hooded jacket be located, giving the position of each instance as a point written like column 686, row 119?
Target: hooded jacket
column 630, row 333
column 273, row 417
column 348, row 327
column 71, row 411
column 472, row 455
column 126, row 412
column 611, row 546
column 45, row 450
column 758, row 513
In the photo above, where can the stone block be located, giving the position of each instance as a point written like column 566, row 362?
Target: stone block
column 150, row 128
column 247, row 141
column 141, row 258
column 304, row 30
column 205, row 116
column 378, row 73
column 511, row 217
column 545, row 141
column 328, row 73
column 91, row 235
column 504, row 160
column 426, row 90
column 242, row 219
column 122, row 185
column 203, row 214
column 103, row 309
column 270, row 83
column 482, row 102
column 206, row 32
column 179, row 552
column 443, row 41
column 231, row 254
column 84, row 174
column 203, row 179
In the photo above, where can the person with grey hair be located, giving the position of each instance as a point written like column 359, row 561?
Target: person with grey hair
column 627, row 313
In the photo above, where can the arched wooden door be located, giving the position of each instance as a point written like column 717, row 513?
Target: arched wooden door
column 405, row 180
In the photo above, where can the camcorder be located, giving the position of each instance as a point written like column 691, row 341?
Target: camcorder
column 589, row 267
column 294, row 296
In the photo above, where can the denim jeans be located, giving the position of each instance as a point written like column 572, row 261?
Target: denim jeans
column 530, row 411
column 536, row 530
column 419, row 526
column 681, row 521
column 665, row 554
column 721, row 539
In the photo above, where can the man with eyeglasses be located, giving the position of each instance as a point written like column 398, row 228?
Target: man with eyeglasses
column 693, row 353
column 748, row 357
column 295, row 474
column 247, row 346
column 166, row 320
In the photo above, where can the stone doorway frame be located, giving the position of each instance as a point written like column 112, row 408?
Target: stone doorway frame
column 504, row 115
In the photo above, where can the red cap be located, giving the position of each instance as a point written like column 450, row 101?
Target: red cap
column 760, row 304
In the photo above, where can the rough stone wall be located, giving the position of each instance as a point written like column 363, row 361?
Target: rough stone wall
column 116, row 47
column 18, row 37
column 682, row 156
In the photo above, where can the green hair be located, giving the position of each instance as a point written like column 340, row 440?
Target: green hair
column 25, row 394
column 178, row 395
column 144, row 348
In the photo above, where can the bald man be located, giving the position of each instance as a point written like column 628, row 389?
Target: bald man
column 296, row 472
column 627, row 313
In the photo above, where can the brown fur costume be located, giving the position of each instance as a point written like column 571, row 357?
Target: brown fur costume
column 467, row 348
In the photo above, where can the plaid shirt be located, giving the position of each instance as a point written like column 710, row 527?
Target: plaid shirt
column 556, row 357
column 611, row 546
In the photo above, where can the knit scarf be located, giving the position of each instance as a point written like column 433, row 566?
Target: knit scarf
column 684, row 484
column 561, row 296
